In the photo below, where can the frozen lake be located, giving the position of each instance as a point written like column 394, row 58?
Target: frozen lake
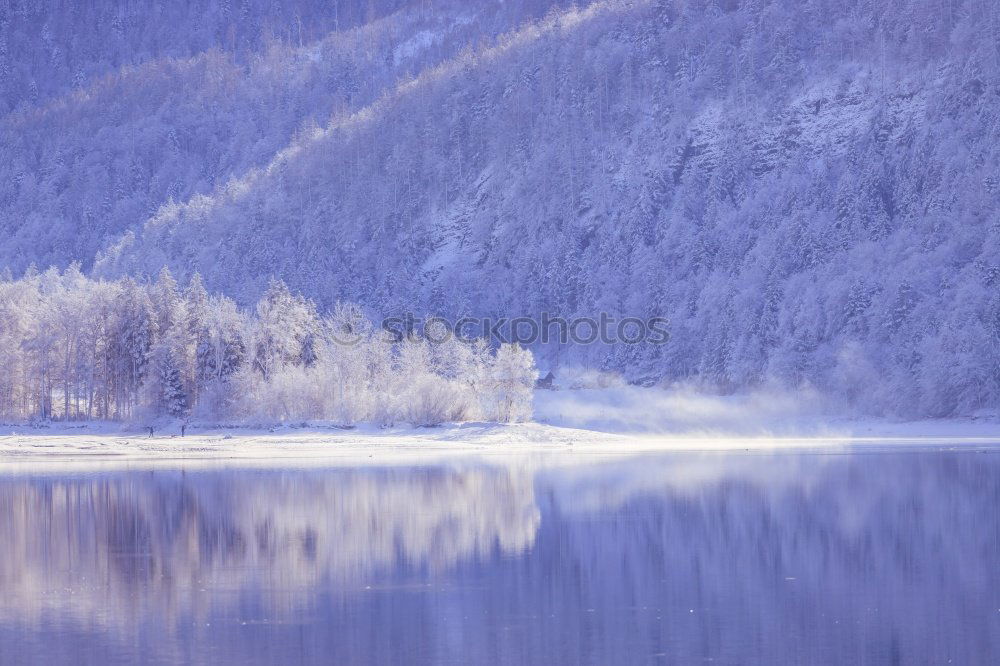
column 822, row 557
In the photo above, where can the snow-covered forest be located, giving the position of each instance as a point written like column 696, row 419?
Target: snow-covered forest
column 73, row 348
column 809, row 191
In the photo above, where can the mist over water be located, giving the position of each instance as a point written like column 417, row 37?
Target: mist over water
column 798, row 558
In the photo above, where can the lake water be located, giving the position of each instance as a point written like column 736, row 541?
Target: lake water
column 723, row 558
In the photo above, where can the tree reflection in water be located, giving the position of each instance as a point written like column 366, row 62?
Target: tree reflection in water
column 784, row 558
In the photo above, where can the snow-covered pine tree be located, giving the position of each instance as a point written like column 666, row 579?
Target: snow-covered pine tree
column 196, row 308
column 167, row 301
column 132, row 345
column 171, row 398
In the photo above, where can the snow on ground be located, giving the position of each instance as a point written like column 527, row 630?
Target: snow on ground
column 291, row 441
column 600, row 421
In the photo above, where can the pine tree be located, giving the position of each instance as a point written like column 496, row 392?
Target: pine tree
column 172, row 399
column 167, row 301
column 198, row 341
column 134, row 341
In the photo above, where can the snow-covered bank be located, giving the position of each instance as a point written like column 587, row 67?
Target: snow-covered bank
column 606, row 421
column 298, row 442
column 59, row 448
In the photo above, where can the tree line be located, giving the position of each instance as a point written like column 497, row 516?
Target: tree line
column 74, row 348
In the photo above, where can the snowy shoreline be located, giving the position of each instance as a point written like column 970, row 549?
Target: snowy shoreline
column 110, row 443
column 619, row 420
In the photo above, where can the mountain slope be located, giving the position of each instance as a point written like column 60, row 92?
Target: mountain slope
column 83, row 167
column 810, row 195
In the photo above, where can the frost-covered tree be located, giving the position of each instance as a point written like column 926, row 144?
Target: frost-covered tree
column 428, row 397
column 171, row 398
column 133, row 343
column 512, row 382
column 221, row 353
column 196, row 327
column 286, row 330
column 79, row 348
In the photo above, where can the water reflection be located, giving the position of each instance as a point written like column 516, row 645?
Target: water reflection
column 678, row 559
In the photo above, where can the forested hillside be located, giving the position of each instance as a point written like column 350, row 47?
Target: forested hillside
column 178, row 119
column 808, row 191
